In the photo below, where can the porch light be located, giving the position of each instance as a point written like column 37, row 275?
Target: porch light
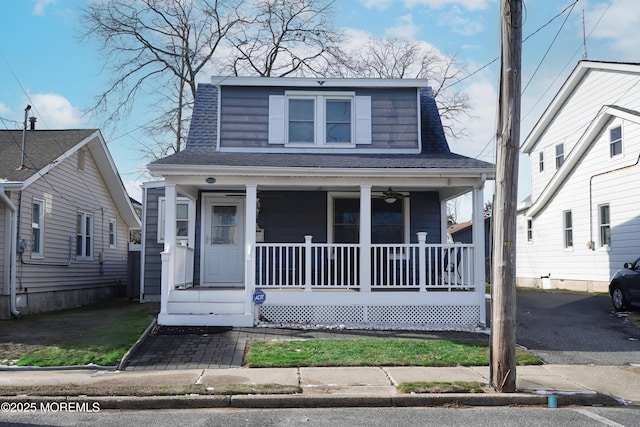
column 210, row 180
column 390, row 199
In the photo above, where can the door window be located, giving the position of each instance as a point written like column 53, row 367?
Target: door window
column 224, row 225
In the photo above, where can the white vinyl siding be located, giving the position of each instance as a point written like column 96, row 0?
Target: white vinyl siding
column 37, row 229
column 320, row 119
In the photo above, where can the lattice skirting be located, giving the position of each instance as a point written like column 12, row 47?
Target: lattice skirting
column 462, row 315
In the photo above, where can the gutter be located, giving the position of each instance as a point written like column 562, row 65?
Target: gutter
column 13, row 250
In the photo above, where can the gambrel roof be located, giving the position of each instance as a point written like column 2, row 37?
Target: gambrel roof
column 46, row 149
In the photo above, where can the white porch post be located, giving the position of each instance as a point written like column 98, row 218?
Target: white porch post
column 443, row 222
column 479, row 248
column 365, row 238
column 422, row 260
column 168, row 256
column 250, row 246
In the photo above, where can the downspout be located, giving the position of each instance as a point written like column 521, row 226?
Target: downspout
column 591, row 243
column 13, row 251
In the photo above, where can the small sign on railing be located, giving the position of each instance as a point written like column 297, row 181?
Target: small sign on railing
column 259, row 297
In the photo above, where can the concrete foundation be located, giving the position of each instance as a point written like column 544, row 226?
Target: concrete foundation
column 565, row 284
column 40, row 302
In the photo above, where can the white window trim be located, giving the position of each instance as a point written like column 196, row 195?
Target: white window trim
column 602, row 246
column 85, row 233
column 529, row 230
column 360, row 118
column 40, row 224
column 541, row 161
column 565, row 244
column 616, row 156
column 191, row 214
column 113, row 225
column 558, row 166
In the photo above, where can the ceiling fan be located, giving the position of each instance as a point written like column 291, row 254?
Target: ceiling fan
column 391, row 196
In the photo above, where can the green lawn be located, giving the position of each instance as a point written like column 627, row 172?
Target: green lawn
column 99, row 334
column 372, row 352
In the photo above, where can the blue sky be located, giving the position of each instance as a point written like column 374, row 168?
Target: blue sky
column 43, row 63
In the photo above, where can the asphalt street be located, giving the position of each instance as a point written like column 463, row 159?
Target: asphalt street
column 571, row 328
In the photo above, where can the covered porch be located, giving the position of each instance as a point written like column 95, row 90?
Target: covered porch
column 417, row 280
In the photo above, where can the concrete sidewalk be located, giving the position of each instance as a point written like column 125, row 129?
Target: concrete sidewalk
column 327, row 387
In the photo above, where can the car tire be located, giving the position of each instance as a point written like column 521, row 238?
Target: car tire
column 618, row 299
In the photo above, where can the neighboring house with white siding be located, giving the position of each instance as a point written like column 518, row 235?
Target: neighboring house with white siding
column 313, row 201
column 65, row 218
column 581, row 222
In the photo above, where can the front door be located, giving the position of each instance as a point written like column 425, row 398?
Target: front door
column 223, row 238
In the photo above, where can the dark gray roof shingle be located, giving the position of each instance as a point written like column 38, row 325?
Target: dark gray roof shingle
column 42, row 148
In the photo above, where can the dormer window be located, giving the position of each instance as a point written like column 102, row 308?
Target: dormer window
column 331, row 119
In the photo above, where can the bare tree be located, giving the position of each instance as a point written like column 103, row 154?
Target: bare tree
column 401, row 58
column 157, row 47
column 285, row 37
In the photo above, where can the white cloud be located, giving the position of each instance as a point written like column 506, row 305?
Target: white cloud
column 134, row 189
column 55, row 112
column 3, row 109
column 404, row 29
column 439, row 4
column 38, row 8
column 377, row 4
column 619, row 25
column 458, row 24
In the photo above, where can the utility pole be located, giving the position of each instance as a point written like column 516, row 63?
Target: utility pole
column 503, row 318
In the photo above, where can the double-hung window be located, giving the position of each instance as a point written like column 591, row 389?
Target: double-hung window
column 568, row 229
column 319, row 119
column 615, row 141
column 529, row 230
column 541, row 161
column 113, row 233
column 559, row 155
column 604, row 221
column 184, row 211
column 84, row 235
column 37, row 228
column 387, row 221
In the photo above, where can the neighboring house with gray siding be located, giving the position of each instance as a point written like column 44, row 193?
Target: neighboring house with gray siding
column 312, row 201
column 65, row 219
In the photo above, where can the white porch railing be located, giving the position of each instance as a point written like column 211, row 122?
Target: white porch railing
column 184, row 267
column 314, row 266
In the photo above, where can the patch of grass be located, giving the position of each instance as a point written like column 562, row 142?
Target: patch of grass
column 371, row 352
column 442, row 387
column 105, row 334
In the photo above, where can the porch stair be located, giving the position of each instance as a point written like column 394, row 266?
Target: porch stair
column 206, row 307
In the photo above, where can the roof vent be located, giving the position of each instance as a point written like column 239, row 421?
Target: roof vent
column 32, row 123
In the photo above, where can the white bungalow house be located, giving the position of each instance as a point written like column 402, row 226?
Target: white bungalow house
column 65, row 218
column 582, row 222
column 313, row 201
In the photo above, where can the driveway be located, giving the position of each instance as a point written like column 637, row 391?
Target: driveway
column 571, row 328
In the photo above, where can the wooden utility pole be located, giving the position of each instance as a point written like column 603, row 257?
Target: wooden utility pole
column 503, row 318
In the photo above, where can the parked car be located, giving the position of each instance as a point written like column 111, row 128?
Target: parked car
column 625, row 286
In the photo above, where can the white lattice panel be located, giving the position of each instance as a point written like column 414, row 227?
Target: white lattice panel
column 405, row 315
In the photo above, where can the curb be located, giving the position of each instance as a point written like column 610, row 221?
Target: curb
column 302, row 401
column 136, row 345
